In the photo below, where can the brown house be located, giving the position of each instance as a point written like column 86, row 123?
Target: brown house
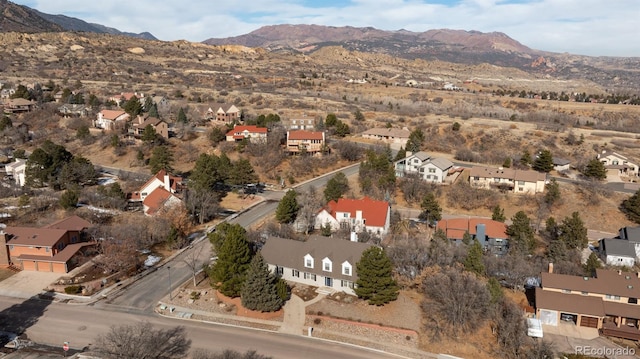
column 608, row 301
column 48, row 249
column 305, row 141
column 19, row 105
column 158, row 125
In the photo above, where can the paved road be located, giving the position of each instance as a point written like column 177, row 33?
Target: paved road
column 54, row 323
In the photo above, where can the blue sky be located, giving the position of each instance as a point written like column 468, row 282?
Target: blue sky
column 589, row 27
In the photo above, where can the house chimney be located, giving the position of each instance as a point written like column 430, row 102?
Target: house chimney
column 354, row 236
column 619, row 272
column 167, row 183
column 551, row 267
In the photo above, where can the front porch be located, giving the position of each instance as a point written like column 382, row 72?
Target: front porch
column 625, row 331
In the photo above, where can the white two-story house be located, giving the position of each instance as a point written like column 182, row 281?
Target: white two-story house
column 318, row 261
column 423, row 165
column 615, row 161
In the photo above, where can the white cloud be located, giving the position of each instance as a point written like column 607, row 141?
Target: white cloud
column 591, row 27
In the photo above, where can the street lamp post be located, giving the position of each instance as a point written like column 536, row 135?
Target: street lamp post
column 170, row 291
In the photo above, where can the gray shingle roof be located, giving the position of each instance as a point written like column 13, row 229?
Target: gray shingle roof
column 618, row 247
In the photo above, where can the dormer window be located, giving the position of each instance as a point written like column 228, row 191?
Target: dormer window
column 326, row 265
column 346, row 268
column 308, row 261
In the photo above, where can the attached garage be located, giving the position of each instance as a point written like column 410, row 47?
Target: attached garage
column 589, row 322
column 28, row 265
column 44, row 266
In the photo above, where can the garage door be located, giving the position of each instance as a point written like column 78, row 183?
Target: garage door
column 28, row 265
column 44, row 267
column 591, row 322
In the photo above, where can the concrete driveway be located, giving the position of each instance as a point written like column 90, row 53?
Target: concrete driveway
column 572, row 339
column 26, row 284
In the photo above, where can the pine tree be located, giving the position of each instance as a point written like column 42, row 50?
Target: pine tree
column 133, row 107
column 149, row 134
column 473, row 261
column 69, row 199
column 552, row 192
column 153, row 111
column 260, row 291
column 336, row 187
column 525, row 160
column 331, row 120
column 375, row 279
column 593, row 263
column 288, row 207
column 631, row 207
column 415, row 141
column 495, row 290
column 431, row 210
column 544, row 162
column 242, row 173
column 234, row 255
column 498, row 214
column 182, row 117
column 402, row 153
column 573, row 232
column 466, row 238
column 595, row 169
column 161, row 158
column 520, row 232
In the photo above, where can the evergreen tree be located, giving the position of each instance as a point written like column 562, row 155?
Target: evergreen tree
column 229, row 272
column 415, row 141
column 148, row 103
column 520, row 233
column 132, row 106
column 331, row 120
column 631, row 207
column 358, row 116
column 498, row 214
column 288, row 207
column 552, row 192
column 223, row 231
column 473, row 261
column 573, row 232
column 149, row 134
column 153, row 111
column 375, row 279
column 525, row 159
column 182, row 117
column 552, row 231
column 260, row 291
column 161, row 158
column 342, row 129
column 242, row 173
column 593, row 263
column 595, row 169
column 431, row 210
column 5, row 122
column 495, row 290
column 205, row 174
column 466, row 238
column 544, row 162
column 507, row 162
column 402, row 153
column 69, row 199
column 337, row 186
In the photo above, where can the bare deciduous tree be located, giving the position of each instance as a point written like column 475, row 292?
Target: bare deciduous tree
column 310, row 203
column 510, row 329
column 141, row 340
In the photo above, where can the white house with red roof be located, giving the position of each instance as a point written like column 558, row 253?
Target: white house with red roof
column 159, row 191
column 253, row 134
column 111, row 119
column 358, row 215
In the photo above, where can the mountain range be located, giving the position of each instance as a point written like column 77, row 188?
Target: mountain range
column 446, row 45
column 20, row 18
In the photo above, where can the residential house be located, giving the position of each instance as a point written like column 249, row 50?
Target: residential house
column 561, row 164
column 126, row 96
column 615, row 161
column 507, row 179
column 157, row 124
column 73, row 110
column 318, row 261
column 624, row 249
column 311, row 142
column 219, row 112
column 423, row 165
column 491, row 234
column 388, row 135
column 162, row 103
column 307, row 124
column 356, row 215
column 252, row 133
column 158, row 192
column 6, row 94
column 17, row 171
column 617, row 252
column 111, row 120
column 18, row 105
column 608, row 301
column 48, row 249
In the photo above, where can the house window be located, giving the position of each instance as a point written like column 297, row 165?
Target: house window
column 11, row 247
column 520, row 183
column 432, row 170
column 60, row 246
column 346, row 268
column 326, row 265
column 279, row 270
column 295, row 273
column 477, row 178
column 415, row 160
column 612, row 297
column 584, row 293
column 310, row 276
column 566, row 291
column 345, row 215
column 308, row 261
column 496, row 179
column 74, row 239
column 521, row 189
column 47, row 249
column 346, row 283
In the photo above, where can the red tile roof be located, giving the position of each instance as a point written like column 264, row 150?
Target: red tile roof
column 251, row 129
column 456, row 227
column 305, row 135
column 112, row 114
column 374, row 212
column 156, row 200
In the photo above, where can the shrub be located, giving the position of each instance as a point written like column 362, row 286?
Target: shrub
column 73, row 289
column 195, row 295
column 317, row 321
